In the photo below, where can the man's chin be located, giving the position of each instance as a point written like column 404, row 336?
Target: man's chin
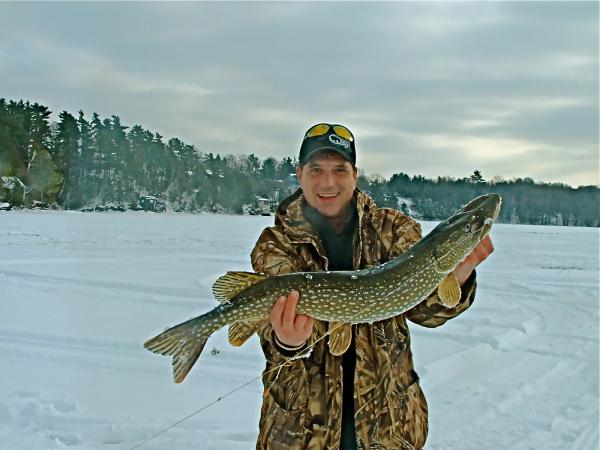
column 328, row 211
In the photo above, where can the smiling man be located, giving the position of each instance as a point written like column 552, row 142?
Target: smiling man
column 356, row 388
column 328, row 183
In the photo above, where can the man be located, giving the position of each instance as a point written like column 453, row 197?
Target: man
column 355, row 389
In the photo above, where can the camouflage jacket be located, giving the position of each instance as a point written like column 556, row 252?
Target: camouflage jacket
column 302, row 399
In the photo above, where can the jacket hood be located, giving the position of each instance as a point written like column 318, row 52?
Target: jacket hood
column 290, row 216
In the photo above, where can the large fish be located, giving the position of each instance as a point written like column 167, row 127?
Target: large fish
column 362, row 296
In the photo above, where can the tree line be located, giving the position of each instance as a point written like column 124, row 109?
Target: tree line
column 84, row 162
column 523, row 200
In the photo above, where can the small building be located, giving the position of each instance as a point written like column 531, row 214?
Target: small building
column 151, row 203
column 13, row 185
column 264, row 206
column 292, row 179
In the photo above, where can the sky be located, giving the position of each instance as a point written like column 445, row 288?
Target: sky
column 432, row 88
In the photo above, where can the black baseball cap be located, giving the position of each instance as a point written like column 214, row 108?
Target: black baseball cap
column 327, row 137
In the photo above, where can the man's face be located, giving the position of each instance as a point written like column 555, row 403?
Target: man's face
column 328, row 182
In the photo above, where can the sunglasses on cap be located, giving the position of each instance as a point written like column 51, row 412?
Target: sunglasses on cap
column 327, row 137
column 323, row 128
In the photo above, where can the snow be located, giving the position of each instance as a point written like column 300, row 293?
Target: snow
column 80, row 292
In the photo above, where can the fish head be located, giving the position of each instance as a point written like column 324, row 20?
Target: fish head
column 453, row 239
column 482, row 212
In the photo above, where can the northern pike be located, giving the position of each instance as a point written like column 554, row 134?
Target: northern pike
column 360, row 296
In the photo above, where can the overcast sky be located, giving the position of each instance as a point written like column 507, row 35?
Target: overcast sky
column 434, row 89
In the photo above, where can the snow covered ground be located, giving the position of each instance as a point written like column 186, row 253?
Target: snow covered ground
column 80, row 292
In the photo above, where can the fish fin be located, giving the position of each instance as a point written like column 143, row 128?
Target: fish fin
column 441, row 264
column 232, row 283
column 241, row 331
column 449, row 291
column 181, row 343
column 340, row 337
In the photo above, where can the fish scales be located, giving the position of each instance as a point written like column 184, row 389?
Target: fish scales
column 362, row 296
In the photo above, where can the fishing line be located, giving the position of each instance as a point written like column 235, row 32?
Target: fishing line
column 303, row 354
column 208, row 405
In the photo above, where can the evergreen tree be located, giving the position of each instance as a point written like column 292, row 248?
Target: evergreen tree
column 120, row 161
column 286, row 168
column 269, row 169
column 44, row 176
column 11, row 159
column 86, row 161
column 66, row 157
column 476, row 177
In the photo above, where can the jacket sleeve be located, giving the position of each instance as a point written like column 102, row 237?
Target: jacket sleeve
column 430, row 312
column 274, row 255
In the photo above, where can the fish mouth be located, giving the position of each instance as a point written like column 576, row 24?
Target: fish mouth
column 487, row 223
column 487, row 226
column 497, row 210
column 488, row 208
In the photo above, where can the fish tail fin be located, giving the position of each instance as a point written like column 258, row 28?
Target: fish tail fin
column 184, row 342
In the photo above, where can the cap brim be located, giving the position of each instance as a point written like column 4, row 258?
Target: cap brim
column 312, row 152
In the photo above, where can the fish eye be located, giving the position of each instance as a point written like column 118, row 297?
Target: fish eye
column 467, row 227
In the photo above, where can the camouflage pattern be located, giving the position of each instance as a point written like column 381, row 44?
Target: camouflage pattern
column 302, row 400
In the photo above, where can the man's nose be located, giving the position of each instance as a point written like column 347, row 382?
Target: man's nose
column 328, row 179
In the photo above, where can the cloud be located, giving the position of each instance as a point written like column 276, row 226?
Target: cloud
column 503, row 85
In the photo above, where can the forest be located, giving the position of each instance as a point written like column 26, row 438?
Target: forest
column 93, row 163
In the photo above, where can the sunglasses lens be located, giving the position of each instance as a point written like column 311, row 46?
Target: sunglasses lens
column 343, row 132
column 317, row 130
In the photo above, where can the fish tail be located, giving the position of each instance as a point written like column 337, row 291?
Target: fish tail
column 184, row 342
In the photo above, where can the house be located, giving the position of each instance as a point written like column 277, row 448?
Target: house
column 151, row 203
column 264, row 206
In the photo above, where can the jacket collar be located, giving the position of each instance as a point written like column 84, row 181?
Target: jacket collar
column 296, row 227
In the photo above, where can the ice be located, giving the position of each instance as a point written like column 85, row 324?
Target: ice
column 81, row 292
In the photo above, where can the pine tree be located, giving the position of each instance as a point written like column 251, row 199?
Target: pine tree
column 476, row 177
column 120, row 160
column 67, row 159
column 11, row 159
column 44, row 176
column 86, row 164
column 269, row 169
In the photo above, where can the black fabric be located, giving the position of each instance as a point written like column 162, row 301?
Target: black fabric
column 348, row 441
column 339, row 249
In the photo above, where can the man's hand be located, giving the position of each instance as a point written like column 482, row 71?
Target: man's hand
column 478, row 255
column 291, row 329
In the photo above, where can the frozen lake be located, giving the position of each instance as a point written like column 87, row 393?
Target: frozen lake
column 80, row 292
